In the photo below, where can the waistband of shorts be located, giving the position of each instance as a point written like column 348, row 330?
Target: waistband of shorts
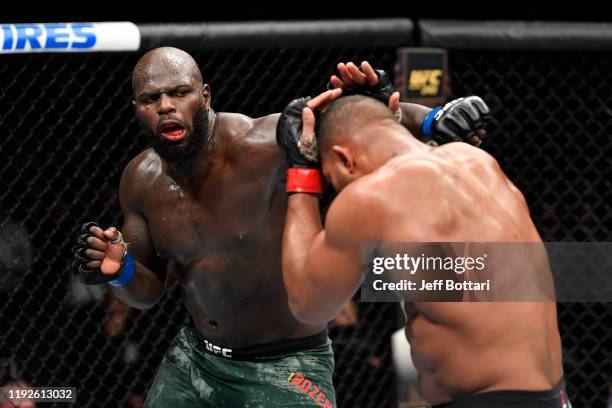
column 261, row 350
column 556, row 393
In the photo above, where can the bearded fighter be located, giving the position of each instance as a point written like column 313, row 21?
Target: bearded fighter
column 205, row 206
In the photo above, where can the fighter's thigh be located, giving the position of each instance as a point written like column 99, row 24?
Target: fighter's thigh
column 172, row 386
column 301, row 380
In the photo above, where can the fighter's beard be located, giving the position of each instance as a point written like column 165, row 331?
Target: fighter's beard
column 184, row 158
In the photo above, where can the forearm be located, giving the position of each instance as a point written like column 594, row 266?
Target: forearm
column 143, row 291
column 413, row 116
column 302, row 225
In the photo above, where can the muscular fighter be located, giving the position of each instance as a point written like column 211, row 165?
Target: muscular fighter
column 394, row 188
column 205, row 206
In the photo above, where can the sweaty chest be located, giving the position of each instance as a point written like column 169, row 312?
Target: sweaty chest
column 236, row 209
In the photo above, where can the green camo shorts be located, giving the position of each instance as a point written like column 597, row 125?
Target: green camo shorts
column 189, row 377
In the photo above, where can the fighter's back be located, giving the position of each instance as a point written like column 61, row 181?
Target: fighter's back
column 458, row 193
column 461, row 194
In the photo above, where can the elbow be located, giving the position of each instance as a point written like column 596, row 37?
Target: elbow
column 146, row 305
column 307, row 315
column 142, row 304
column 139, row 302
column 150, row 302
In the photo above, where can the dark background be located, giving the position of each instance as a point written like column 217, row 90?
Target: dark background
column 305, row 10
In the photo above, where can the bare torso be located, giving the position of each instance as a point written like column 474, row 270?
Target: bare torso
column 464, row 348
column 220, row 236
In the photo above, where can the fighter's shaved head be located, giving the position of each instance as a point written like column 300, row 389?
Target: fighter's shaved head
column 356, row 135
column 162, row 63
column 347, row 116
column 173, row 105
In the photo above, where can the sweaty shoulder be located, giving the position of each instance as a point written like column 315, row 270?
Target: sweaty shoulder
column 464, row 151
column 354, row 214
column 142, row 171
column 246, row 132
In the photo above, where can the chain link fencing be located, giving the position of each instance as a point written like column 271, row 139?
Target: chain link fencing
column 68, row 130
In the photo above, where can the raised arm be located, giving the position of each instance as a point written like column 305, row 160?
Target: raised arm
column 462, row 119
column 412, row 117
column 321, row 268
column 320, row 271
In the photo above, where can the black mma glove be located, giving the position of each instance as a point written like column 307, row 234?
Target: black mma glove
column 457, row 121
column 94, row 276
column 382, row 90
column 303, row 174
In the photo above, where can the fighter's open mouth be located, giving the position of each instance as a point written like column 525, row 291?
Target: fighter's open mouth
column 172, row 131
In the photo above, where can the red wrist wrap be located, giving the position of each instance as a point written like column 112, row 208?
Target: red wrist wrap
column 304, row 181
